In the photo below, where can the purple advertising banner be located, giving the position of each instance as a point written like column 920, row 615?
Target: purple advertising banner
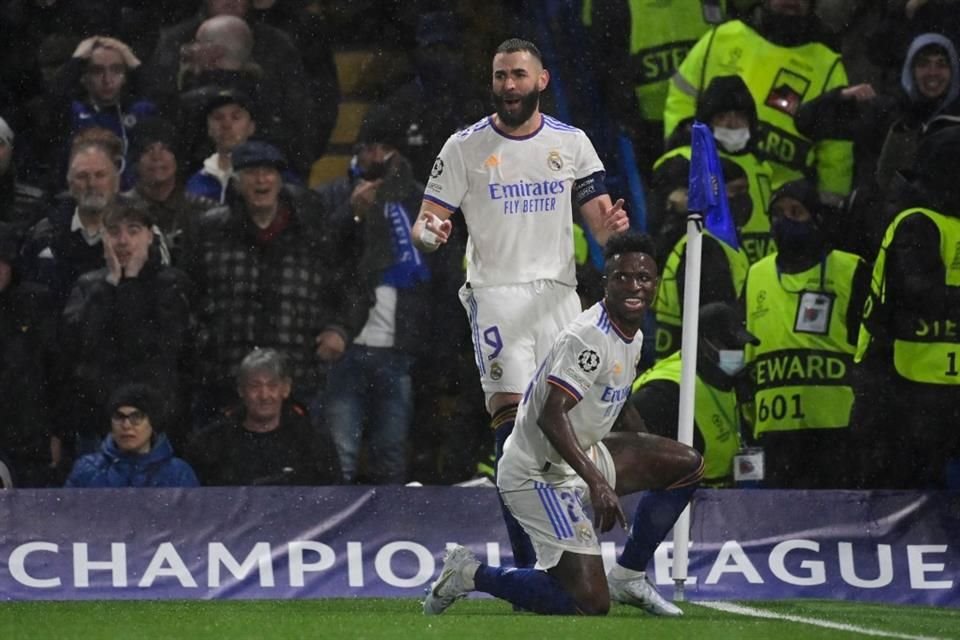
column 262, row 542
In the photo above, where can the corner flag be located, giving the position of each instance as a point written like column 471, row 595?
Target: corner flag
column 707, row 189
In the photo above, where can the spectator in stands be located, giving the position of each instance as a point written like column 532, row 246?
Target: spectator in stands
column 268, row 274
column 231, row 120
column 723, row 271
column 268, row 439
column 125, row 322
column 21, row 205
column 230, row 123
column 887, row 131
column 68, row 242
column 100, row 84
column 638, row 47
column 784, row 61
column 378, row 214
column 804, row 304
column 155, row 154
column 720, row 361
column 439, row 99
column 135, row 453
column 213, row 48
column 906, row 408
column 27, row 342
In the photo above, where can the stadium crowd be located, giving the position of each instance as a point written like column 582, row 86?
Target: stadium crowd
column 180, row 303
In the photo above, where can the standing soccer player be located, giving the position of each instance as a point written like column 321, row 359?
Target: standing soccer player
column 515, row 175
column 563, row 456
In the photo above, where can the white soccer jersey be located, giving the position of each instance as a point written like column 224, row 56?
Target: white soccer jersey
column 515, row 193
column 593, row 361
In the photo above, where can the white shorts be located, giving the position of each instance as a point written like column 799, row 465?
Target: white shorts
column 513, row 329
column 550, row 507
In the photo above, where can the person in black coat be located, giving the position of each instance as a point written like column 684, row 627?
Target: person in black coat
column 268, row 439
column 125, row 322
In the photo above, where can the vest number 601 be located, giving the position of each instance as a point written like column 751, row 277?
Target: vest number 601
column 778, row 407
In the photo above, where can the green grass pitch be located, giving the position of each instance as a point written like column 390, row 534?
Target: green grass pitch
column 480, row 619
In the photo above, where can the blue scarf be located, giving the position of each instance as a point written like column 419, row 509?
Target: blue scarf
column 408, row 268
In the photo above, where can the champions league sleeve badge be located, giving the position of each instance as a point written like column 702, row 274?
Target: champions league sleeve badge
column 588, row 360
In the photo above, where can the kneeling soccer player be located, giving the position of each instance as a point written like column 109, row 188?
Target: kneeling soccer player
column 562, row 455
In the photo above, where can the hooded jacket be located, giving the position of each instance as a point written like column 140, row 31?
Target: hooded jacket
column 908, row 82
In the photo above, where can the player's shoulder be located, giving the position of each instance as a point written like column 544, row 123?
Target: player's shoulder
column 592, row 326
column 473, row 131
column 552, row 124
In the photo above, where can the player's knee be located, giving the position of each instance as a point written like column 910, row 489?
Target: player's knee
column 692, row 467
column 593, row 604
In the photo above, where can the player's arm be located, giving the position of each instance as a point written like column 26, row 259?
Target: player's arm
column 432, row 227
column 604, row 217
column 555, row 423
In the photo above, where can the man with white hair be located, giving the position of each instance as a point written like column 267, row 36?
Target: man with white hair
column 68, row 242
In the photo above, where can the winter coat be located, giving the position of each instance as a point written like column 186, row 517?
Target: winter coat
column 110, row 467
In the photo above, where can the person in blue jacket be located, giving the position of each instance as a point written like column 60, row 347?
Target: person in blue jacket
column 133, row 454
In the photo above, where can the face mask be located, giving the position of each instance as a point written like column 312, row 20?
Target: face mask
column 795, row 237
column 732, row 140
column 730, row 361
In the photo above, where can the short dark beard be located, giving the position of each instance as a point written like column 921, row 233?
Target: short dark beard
column 528, row 104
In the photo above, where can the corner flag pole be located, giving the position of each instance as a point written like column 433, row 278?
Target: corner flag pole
column 706, row 199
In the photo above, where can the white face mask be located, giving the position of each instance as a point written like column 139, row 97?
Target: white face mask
column 732, row 140
column 731, row 361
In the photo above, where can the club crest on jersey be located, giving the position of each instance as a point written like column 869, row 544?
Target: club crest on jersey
column 588, row 360
column 437, row 169
column 555, row 160
column 496, row 371
column 584, row 532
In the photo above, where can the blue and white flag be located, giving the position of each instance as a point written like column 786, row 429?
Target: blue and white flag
column 707, row 189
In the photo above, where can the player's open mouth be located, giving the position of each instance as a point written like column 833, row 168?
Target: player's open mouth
column 634, row 304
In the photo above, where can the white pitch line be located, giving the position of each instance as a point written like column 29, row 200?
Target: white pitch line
column 761, row 613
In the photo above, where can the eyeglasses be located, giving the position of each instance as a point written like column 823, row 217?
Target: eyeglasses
column 135, row 417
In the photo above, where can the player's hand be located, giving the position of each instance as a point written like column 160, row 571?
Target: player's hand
column 440, row 228
column 606, row 507
column 330, row 345
column 615, row 219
